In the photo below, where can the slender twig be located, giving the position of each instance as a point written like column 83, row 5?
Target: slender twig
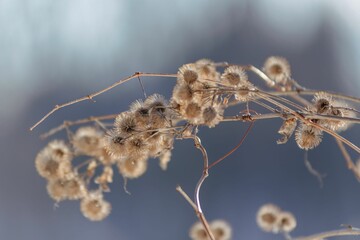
column 199, row 214
column 350, row 164
column 335, row 233
column 77, row 122
column 236, row 147
column 91, row 96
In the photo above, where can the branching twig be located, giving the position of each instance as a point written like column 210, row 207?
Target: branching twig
column 199, row 214
column 91, row 96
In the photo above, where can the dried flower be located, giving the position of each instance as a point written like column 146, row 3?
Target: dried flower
column 221, row 230
column 308, row 137
column 188, row 74
column 267, row 218
column 133, row 166
column 286, row 222
column 278, row 69
column 286, row 129
column 94, row 207
column 50, row 166
column 234, row 76
column 87, row 141
column 197, row 232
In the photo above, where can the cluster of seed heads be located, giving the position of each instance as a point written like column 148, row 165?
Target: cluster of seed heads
column 82, row 168
column 270, row 218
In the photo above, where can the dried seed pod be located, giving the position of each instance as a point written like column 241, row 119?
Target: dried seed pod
column 267, row 218
column 59, row 150
column 133, row 166
column 87, row 141
column 286, row 129
column 94, row 207
column 278, row 69
column 308, row 137
column 125, row 124
column 212, row 115
column 286, row 222
column 207, row 71
column 197, row 232
column 234, row 76
column 221, row 230
column 56, row 189
column 245, row 92
column 322, row 102
column 188, row 74
column 115, row 145
column 50, row 166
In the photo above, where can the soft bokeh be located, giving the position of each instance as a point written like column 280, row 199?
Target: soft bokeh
column 54, row 51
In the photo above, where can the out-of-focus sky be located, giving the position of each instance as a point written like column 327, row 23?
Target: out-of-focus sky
column 55, row 51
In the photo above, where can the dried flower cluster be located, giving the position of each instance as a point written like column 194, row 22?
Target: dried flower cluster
column 270, row 218
column 220, row 229
column 82, row 167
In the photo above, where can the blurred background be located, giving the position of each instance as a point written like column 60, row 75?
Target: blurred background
column 55, row 51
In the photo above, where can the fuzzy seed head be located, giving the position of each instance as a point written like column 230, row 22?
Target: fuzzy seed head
column 244, row 92
column 322, row 102
column 56, row 189
column 59, row 150
column 286, row 222
column 308, row 137
column 125, row 123
column 94, row 207
column 221, row 230
column 212, row 115
column 50, row 165
column 87, row 141
column 182, row 93
column 278, row 69
column 141, row 114
column 193, row 113
column 197, row 232
column 188, row 74
column 267, row 218
column 115, row 145
column 133, row 166
column 234, row 76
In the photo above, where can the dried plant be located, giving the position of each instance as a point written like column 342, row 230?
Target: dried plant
column 200, row 97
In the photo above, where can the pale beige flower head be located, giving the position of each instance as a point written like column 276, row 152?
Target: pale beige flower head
column 267, row 218
column 234, row 76
column 278, row 69
column 94, row 207
column 53, row 161
column 221, row 230
column 198, row 232
column 286, row 222
column 87, row 140
column 188, row 74
column 133, row 166
column 308, row 137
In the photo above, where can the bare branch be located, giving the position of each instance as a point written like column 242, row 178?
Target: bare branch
column 91, row 96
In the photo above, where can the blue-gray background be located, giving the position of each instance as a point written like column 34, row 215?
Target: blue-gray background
column 55, row 51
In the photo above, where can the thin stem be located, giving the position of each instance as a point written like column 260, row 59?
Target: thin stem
column 199, row 214
column 335, row 233
column 312, row 92
column 91, row 96
column 236, row 147
column 77, row 122
column 350, row 164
